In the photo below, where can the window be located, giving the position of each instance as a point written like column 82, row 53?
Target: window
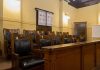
column 44, row 20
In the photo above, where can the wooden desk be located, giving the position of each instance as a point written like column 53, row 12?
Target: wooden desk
column 88, row 56
column 74, row 56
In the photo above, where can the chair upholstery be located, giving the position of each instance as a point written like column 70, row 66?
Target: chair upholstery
column 30, row 62
column 22, row 47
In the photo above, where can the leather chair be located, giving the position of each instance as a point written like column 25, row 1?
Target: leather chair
column 56, row 40
column 34, row 38
column 68, row 39
column 41, row 41
column 23, row 57
column 45, row 42
column 53, row 38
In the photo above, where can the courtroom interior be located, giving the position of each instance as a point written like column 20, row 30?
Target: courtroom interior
column 49, row 34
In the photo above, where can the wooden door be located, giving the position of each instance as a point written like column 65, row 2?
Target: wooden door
column 80, row 29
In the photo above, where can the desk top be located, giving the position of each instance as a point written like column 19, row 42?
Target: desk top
column 70, row 45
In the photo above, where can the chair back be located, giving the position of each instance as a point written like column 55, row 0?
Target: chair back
column 22, row 46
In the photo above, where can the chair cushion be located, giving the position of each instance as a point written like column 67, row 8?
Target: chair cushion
column 22, row 47
column 30, row 62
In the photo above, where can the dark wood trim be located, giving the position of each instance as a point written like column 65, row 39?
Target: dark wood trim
column 42, row 27
column 43, row 10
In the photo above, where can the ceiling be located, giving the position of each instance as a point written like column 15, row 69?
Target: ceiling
column 82, row 3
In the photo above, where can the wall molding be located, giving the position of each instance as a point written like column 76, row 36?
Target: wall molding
column 12, row 20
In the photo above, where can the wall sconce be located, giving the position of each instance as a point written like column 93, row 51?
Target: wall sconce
column 65, row 19
column 12, row 5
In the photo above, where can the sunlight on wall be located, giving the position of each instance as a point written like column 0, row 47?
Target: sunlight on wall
column 12, row 5
column 99, row 19
column 65, row 19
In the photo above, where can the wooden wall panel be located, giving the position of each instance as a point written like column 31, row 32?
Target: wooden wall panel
column 98, row 54
column 68, row 59
column 88, row 59
column 76, row 56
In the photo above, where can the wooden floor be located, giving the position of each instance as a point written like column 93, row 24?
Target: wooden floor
column 5, row 64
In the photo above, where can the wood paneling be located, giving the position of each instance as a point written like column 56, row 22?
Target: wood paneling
column 63, row 58
column 88, row 54
column 69, row 59
column 98, row 54
column 74, row 56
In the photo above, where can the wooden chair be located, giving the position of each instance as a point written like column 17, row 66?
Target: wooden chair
column 67, row 38
column 74, row 39
column 7, row 41
column 22, row 55
column 32, row 34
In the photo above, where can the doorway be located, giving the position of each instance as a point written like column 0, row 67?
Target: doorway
column 80, row 30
